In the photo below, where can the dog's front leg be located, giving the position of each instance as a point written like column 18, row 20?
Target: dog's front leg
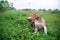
column 36, row 29
column 45, row 29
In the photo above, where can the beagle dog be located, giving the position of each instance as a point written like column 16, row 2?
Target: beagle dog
column 37, row 23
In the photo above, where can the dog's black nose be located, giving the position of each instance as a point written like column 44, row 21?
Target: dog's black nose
column 27, row 19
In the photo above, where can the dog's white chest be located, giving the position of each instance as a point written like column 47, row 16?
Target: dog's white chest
column 37, row 23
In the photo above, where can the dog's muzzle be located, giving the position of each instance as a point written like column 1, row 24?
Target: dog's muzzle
column 29, row 20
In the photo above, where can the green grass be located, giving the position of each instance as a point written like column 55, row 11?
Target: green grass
column 14, row 26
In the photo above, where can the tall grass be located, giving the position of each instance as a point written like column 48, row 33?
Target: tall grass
column 14, row 26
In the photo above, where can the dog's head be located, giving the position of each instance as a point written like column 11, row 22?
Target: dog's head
column 32, row 18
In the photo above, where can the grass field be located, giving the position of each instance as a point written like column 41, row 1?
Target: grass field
column 14, row 26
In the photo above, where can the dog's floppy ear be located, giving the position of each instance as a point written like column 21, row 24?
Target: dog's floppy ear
column 35, row 16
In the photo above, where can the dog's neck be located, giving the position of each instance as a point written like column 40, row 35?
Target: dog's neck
column 38, row 19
